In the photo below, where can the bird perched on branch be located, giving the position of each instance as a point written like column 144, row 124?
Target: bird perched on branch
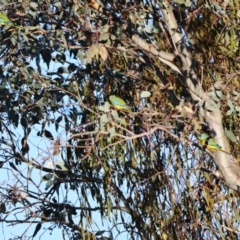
column 4, row 20
column 119, row 103
column 210, row 143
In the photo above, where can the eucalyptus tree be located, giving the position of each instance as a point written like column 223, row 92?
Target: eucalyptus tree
column 70, row 152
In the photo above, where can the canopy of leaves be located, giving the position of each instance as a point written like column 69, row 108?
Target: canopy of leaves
column 143, row 169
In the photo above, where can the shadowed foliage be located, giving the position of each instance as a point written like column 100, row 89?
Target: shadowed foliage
column 70, row 153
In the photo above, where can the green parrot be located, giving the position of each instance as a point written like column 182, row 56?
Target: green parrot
column 210, row 143
column 119, row 103
column 4, row 20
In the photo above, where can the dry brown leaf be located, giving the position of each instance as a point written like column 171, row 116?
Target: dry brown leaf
column 103, row 53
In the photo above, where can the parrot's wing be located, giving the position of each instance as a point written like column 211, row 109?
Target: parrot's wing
column 117, row 101
column 4, row 19
column 212, row 143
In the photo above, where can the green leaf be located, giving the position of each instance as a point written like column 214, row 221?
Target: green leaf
column 99, row 233
column 61, row 58
column 231, row 135
column 13, row 116
column 210, row 106
column 49, row 184
column 149, row 28
column 67, row 125
column 109, row 207
column 1, row 164
column 33, row 5
column 58, row 4
column 46, row 55
column 231, row 107
column 218, row 85
column 105, row 107
column 111, row 131
column 48, row 135
column 47, row 177
column 235, row 93
column 115, row 115
column 60, row 165
column 13, row 166
column 103, row 121
column 145, row 94
column 24, row 122
column 187, row 3
column 238, row 110
column 80, row 55
column 59, row 119
column 13, row 40
column 38, row 227
column 104, row 37
column 2, row 208
column 215, row 95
